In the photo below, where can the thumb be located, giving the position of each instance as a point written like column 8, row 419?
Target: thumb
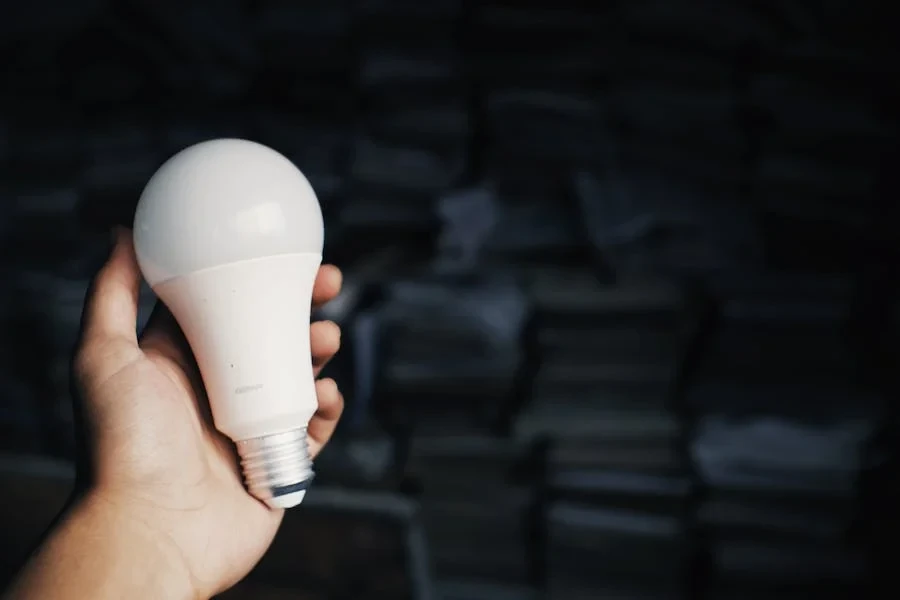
column 111, row 306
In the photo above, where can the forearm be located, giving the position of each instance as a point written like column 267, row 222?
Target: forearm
column 99, row 551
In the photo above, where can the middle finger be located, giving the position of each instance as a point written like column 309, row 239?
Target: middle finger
column 325, row 341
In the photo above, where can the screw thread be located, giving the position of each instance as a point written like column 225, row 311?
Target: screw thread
column 277, row 468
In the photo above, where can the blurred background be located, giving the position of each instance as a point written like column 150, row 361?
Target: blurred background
column 620, row 308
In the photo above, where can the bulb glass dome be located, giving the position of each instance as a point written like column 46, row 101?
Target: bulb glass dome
column 222, row 202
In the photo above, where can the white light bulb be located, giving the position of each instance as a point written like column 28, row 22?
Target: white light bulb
column 229, row 235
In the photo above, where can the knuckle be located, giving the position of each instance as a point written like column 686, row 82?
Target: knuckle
column 87, row 359
column 81, row 363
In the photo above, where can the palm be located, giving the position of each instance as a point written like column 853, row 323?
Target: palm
column 181, row 469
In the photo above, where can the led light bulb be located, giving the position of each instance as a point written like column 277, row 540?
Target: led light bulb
column 229, row 235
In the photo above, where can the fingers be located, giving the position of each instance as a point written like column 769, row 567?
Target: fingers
column 331, row 405
column 325, row 336
column 111, row 305
column 327, row 286
column 325, row 341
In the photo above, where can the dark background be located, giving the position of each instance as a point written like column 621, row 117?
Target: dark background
column 620, row 309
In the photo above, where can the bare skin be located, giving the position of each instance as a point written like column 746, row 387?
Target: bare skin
column 163, row 513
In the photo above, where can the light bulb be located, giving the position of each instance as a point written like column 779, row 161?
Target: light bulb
column 229, row 235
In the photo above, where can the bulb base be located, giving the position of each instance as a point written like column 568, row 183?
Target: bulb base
column 277, row 468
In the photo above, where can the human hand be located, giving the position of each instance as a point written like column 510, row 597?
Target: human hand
column 152, row 454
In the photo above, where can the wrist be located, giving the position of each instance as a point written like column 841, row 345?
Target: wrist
column 143, row 556
column 101, row 549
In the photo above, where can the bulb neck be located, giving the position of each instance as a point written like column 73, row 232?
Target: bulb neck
column 277, row 468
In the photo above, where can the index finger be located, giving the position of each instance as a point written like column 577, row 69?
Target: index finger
column 327, row 286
